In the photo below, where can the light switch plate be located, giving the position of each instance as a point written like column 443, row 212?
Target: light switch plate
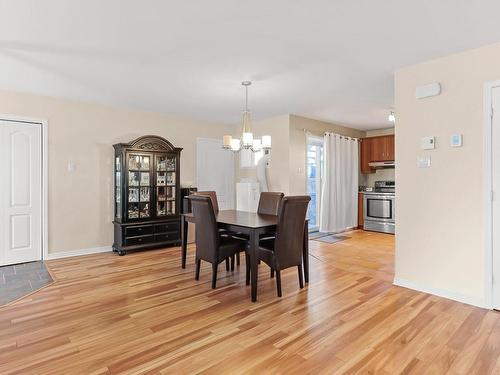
column 428, row 143
column 424, row 161
column 456, row 140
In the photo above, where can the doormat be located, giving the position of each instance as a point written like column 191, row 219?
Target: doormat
column 315, row 235
column 22, row 279
column 333, row 238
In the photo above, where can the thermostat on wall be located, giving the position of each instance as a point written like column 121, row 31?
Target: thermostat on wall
column 428, row 143
column 456, row 140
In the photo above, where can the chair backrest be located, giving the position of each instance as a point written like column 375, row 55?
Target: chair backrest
column 213, row 197
column 290, row 230
column 269, row 203
column 207, row 236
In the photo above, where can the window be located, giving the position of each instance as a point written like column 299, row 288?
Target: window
column 314, row 159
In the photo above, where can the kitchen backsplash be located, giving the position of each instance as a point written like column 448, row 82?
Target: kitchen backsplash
column 379, row 175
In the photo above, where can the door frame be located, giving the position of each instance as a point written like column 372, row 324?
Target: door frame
column 232, row 192
column 488, row 192
column 44, row 251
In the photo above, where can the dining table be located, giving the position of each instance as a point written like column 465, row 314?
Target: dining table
column 253, row 225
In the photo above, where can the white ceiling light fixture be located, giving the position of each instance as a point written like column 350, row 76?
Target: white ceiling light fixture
column 247, row 140
column 391, row 117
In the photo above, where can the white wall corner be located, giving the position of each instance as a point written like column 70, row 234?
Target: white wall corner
column 474, row 301
column 78, row 252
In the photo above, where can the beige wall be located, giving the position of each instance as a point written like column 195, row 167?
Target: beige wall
column 439, row 210
column 80, row 203
column 298, row 141
column 288, row 158
column 278, row 128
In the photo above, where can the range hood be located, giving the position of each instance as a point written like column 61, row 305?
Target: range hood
column 382, row 164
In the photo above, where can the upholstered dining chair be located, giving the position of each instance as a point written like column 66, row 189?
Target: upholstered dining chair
column 210, row 245
column 285, row 250
column 269, row 203
column 213, row 198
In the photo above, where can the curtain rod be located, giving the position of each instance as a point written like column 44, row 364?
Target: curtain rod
column 343, row 136
column 307, row 131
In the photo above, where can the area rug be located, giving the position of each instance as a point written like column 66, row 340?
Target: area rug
column 332, row 238
column 315, row 235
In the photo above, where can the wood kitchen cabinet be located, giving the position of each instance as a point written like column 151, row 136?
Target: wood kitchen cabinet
column 360, row 211
column 376, row 149
column 365, row 155
column 382, row 148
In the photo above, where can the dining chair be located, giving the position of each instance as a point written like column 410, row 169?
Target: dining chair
column 269, row 203
column 210, row 245
column 285, row 250
column 213, row 198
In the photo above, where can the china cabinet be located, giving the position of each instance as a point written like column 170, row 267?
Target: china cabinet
column 146, row 194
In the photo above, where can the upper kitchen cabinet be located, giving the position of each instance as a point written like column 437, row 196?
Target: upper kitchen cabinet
column 375, row 149
column 382, row 148
column 365, row 155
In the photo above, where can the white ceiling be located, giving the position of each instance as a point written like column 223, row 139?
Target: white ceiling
column 327, row 59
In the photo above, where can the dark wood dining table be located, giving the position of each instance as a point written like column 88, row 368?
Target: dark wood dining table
column 253, row 225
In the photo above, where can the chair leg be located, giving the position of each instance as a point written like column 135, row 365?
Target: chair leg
column 301, row 277
column 198, row 266
column 278, row 282
column 214, row 275
column 232, row 262
column 272, row 273
column 238, row 258
column 247, row 266
column 227, row 264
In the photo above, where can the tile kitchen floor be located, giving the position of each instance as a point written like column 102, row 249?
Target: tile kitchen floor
column 22, row 279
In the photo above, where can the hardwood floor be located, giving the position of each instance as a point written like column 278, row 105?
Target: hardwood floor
column 143, row 314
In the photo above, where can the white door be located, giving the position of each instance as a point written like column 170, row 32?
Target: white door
column 495, row 153
column 215, row 171
column 20, row 192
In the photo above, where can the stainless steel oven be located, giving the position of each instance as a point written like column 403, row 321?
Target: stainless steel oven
column 379, row 210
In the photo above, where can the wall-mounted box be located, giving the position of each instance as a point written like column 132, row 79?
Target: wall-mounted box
column 426, row 91
column 428, row 143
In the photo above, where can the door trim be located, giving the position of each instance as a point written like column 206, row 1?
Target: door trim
column 45, row 175
column 488, row 192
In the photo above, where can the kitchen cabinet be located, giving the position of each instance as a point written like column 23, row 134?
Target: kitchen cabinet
column 360, row 211
column 382, row 148
column 365, row 155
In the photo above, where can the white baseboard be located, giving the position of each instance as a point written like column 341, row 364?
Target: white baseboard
column 75, row 253
column 479, row 302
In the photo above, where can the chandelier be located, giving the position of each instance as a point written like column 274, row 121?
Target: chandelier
column 246, row 141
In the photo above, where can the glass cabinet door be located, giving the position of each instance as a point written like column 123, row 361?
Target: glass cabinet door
column 139, row 186
column 118, row 186
column 165, row 185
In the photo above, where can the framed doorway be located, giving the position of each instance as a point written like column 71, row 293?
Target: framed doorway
column 24, row 194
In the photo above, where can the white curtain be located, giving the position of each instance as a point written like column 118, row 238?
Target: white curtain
column 339, row 196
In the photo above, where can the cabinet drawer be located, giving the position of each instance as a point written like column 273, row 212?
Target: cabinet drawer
column 167, row 237
column 138, row 240
column 138, row 230
column 167, row 227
